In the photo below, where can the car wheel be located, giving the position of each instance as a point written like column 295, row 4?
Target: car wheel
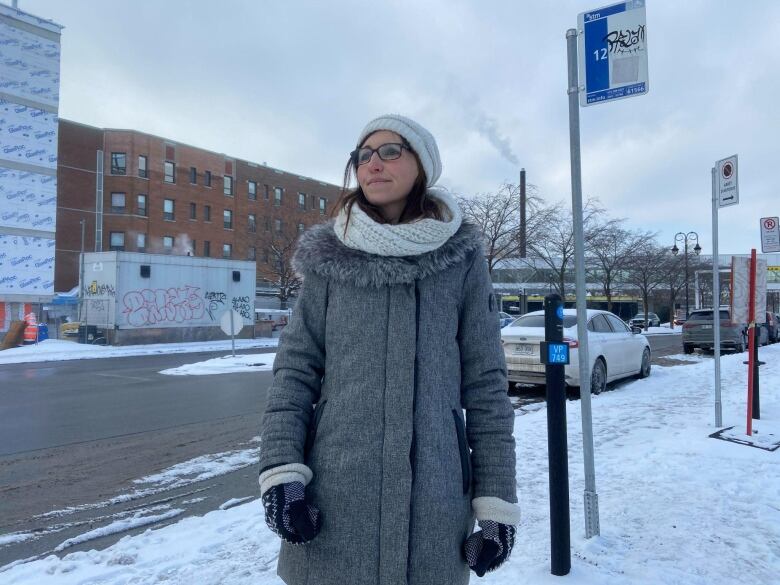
column 598, row 377
column 687, row 348
column 644, row 371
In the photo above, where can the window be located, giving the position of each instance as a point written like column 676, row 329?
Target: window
column 142, row 172
column 193, row 211
column 207, row 178
column 168, row 209
column 323, row 203
column 193, row 248
column 170, row 172
column 278, row 226
column 252, row 186
column 193, row 175
column 599, row 325
column 167, row 244
column 266, row 192
column 117, row 241
column 268, row 224
column 265, row 257
column 278, row 196
column 140, row 242
column 301, row 227
column 302, row 201
column 227, row 250
column 206, row 248
column 140, row 208
column 227, row 219
column 227, row 185
column 118, row 163
column 207, row 213
column 118, row 202
column 251, row 253
column 252, row 223
column 617, row 325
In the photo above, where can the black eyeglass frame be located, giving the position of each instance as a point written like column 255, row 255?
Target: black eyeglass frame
column 353, row 156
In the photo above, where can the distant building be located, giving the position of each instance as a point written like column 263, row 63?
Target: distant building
column 29, row 101
column 141, row 193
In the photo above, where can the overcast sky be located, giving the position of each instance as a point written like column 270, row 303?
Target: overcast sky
column 291, row 83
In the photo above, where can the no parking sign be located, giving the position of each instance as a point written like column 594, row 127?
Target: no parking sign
column 770, row 234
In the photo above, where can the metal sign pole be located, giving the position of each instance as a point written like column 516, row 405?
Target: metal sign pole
column 716, row 301
column 591, row 499
column 232, row 334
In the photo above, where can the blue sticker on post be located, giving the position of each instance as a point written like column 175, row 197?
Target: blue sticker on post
column 559, row 312
column 555, row 353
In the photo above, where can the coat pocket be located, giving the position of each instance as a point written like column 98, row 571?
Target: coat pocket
column 315, row 423
column 465, row 465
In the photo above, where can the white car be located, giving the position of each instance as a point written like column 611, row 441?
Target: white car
column 615, row 352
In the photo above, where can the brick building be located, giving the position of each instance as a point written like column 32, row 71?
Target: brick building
column 141, row 193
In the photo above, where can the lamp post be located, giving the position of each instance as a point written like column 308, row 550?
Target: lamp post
column 683, row 238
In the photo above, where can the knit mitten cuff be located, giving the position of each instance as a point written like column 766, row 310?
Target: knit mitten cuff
column 287, row 473
column 496, row 509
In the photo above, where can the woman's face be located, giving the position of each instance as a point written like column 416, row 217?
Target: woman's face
column 387, row 183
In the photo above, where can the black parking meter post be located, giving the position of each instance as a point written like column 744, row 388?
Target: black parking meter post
column 756, row 363
column 560, row 537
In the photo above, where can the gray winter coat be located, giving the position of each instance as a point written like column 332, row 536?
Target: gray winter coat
column 391, row 350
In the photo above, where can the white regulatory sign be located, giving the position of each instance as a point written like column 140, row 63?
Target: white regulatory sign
column 234, row 326
column 770, row 235
column 728, row 187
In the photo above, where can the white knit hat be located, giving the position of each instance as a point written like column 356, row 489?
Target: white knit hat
column 421, row 141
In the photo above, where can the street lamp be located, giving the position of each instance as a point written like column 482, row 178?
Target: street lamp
column 683, row 238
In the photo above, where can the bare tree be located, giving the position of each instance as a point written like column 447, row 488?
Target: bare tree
column 610, row 251
column 498, row 216
column 645, row 270
column 274, row 261
column 553, row 243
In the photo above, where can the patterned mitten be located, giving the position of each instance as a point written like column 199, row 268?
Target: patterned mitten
column 487, row 549
column 288, row 515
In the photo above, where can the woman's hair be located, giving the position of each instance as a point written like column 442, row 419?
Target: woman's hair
column 418, row 206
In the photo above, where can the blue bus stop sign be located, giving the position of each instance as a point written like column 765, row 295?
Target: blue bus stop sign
column 612, row 52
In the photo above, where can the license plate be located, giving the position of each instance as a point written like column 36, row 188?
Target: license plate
column 706, row 326
column 524, row 349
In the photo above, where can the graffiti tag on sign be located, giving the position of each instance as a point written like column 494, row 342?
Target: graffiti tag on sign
column 241, row 304
column 99, row 290
column 172, row 305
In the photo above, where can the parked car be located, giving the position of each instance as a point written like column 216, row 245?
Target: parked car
column 639, row 320
column 505, row 318
column 615, row 352
column 772, row 326
column 698, row 331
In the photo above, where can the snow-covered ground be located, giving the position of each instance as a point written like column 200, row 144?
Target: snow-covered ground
column 228, row 364
column 676, row 506
column 61, row 350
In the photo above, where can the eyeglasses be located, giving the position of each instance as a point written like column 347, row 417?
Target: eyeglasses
column 389, row 151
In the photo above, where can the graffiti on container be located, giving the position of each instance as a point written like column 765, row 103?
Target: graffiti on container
column 99, row 290
column 216, row 301
column 241, row 304
column 172, row 305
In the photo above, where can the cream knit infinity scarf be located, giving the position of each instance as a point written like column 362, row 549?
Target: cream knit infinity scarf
column 403, row 239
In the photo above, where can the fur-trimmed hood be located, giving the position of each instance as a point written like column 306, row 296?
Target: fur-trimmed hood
column 320, row 251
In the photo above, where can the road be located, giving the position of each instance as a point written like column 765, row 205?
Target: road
column 76, row 433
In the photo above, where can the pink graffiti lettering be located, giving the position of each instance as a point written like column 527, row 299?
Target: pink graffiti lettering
column 173, row 305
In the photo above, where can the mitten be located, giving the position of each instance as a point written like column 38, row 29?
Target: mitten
column 288, row 515
column 487, row 549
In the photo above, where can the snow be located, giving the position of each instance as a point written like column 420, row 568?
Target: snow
column 62, row 350
column 225, row 365
column 676, row 506
column 662, row 331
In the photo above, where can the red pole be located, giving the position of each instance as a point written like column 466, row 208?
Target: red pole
column 751, row 339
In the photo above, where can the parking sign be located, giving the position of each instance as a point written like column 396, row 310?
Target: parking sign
column 612, row 52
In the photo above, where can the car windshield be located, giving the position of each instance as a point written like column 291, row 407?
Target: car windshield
column 538, row 321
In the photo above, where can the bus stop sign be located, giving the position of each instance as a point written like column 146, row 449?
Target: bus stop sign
column 612, row 52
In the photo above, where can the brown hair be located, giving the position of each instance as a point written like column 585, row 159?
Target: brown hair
column 418, row 206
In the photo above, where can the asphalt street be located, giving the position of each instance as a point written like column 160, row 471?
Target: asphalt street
column 77, row 433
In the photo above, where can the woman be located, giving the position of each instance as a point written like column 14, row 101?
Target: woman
column 395, row 332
